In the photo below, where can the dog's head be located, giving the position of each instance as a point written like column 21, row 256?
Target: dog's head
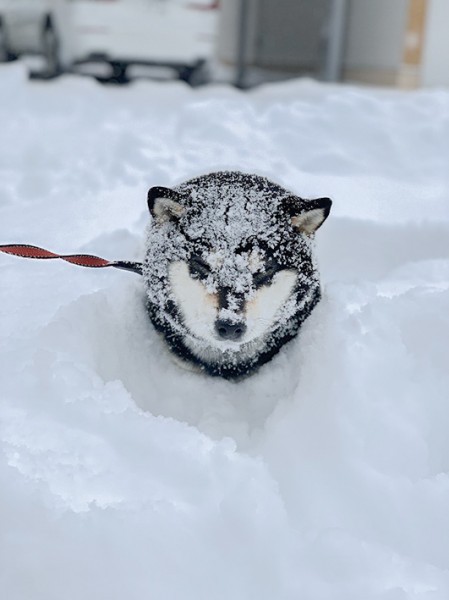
column 230, row 256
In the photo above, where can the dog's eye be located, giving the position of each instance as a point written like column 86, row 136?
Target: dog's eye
column 198, row 268
column 266, row 276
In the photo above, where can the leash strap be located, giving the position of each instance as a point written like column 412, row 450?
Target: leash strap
column 82, row 260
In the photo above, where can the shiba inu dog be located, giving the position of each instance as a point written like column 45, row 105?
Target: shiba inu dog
column 229, row 269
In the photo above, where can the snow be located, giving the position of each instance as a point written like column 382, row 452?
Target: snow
column 323, row 477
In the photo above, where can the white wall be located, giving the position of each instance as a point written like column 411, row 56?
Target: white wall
column 375, row 33
column 435, row 63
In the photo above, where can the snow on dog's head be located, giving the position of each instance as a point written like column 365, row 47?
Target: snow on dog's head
column 229, row 269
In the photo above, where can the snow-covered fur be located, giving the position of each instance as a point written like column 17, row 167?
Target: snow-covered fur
column 229, row 269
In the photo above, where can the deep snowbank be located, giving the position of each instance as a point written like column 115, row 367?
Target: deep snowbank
column 325, row 476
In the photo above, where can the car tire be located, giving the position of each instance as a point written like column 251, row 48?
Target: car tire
column 50, row 51
column 196, row 74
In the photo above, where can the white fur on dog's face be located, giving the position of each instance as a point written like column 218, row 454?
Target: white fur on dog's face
column 200, row 308
column 266, row 303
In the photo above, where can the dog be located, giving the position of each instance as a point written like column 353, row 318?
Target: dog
column 229, row 269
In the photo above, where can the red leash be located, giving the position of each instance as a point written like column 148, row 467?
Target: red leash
column 82, row 260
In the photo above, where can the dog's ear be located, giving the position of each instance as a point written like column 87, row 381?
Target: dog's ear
column 308, row 215
column 164, row 204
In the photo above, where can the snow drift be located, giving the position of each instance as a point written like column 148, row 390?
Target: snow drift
column 323, row 477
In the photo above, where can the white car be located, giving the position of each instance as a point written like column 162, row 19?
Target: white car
column 175, row 33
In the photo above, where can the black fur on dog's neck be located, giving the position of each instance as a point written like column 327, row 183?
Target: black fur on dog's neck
column 239, row 368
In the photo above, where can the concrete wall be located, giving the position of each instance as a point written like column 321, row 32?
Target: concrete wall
column 279, row 37
column 374, row 45
column 435, row 62
column 295, row 33
column 375, row 33
column 375, row 38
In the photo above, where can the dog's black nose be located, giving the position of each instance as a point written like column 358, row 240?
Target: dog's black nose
column 227, row 330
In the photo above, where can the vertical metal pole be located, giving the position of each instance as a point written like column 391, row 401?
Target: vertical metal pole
column 336, row 41
column 242, row 43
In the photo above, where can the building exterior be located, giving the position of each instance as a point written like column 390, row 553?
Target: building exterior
column 384, row 42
